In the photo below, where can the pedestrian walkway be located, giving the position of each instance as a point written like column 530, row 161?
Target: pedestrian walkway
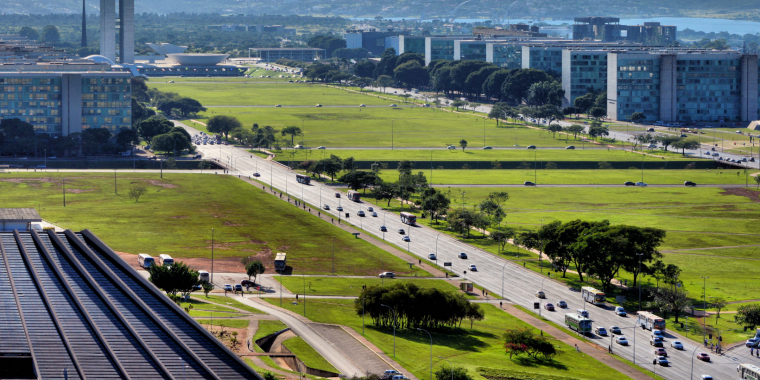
column 585, row 347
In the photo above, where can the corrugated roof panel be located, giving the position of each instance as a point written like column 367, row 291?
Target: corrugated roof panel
column 12, row 334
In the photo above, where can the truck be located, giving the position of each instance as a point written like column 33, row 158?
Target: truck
column 280, row 261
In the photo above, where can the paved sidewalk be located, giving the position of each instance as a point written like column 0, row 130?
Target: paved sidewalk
column 585, row 347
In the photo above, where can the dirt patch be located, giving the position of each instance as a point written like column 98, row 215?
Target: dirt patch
column 77, row 191
column 180, row 217
column 130, row 259
column 156, row 182
column 753, row 195
column 223, row 265
column 231, row 224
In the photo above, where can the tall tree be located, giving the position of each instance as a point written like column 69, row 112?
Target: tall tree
column 254, row 268
column 463, row 144
column 293, row 132
column 50, row 34
column 29, row 33
column 516, row 86
column 223, row 124
column 412, row 74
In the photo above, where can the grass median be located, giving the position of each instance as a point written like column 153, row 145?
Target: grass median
column 341, row 286
column 308, row 355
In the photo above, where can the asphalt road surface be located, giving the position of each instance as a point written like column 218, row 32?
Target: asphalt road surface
column 519, row 284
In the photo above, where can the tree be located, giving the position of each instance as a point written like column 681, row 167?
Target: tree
column 384, row 191
column 254, row 268
column 718, row 303
column 451, row 373
column 474, row 313
column 473, row 85
column 50, row 34
column 223, row 124
column 459, row 104
column 463, row 144
column 598, row 112
column 517, row 85
column 596, row 129
column 686, row 144
column 329, row 43
column 638, row 117
column 384, row 81
column 387, row 63
column 137, row 191
column 671, row 300
column 554, row 128
column 412, row 74
column 173, row 279
column 575, row 129
column 364, row 69
column 358, row 179
column 29, row 33
column 503, row 236
column 436, row 202
column 584, row 103
column 667, row 140
column 139, row 89
column 757, row 181
column 492, row 85
column 410, row 57
column 525, row 341
column 293, row 132
column 207, row 288
column 656, row 271
column 127, row 137
column 641, row 248
column 748, row 316
column 547, row 92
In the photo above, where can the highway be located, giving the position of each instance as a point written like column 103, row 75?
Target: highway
column 519, row 284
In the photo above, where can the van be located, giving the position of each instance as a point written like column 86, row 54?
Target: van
column 145, row 260
column 582, row 313
column 165, row 260
column 203, row 275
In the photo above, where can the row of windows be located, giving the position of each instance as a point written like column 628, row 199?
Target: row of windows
column 711, row 69
column 88, row 89
column 728, row 104
column 105, row 81
column 709, row 62
column 636, row 68
column 106, row 104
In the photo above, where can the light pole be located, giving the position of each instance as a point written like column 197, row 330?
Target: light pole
column 431, row 352
column 394, row 329
column 431, row 167
column 303, row 278
column 535, row 167
column 212, row 255
column 436, row 246
column 502, row 279
column 704, row 307
column 540, row 299
column 45, row 155
column 691, row 374
column 452, row 367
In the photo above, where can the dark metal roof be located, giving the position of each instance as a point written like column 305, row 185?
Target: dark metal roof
column 68, row 302
column 19, row 215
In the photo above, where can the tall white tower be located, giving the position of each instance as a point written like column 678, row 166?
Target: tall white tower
column 108, row 29
column 126, row 30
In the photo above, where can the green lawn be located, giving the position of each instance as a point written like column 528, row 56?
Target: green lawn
column 231, row 301
column 336, row 286
column 199, row 305
column 232, row 323
column 308, row 355
column 578, row 177
column 480, row 347
column 177, row 213
column 268, row 327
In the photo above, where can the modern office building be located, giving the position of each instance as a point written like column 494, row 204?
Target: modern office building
column 609, row 29
column 701, row 86
column 296, row 54
column 126, row 30
column 65, row 102
column 514, row 30
column 375, row 42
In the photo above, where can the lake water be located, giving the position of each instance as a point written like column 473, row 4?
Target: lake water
column 706, row 25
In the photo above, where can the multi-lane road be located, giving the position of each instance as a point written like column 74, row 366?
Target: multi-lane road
column 494, row 273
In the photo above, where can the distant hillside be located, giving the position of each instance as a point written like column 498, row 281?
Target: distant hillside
column 732, row 9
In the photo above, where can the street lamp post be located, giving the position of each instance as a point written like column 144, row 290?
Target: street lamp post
column 452, row 367
column 535, row 168
column 212, row 255
column 639, row 255
column 431, row 352
column 303, row 278
column 394, row 329
column 691, row 374
column 502, row 279
column 436, row 246
column 704, row 303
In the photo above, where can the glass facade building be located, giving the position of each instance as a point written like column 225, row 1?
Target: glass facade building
column 67, row 102
column 508, row 56
column 583, row 71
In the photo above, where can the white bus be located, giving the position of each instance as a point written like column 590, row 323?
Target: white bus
column 593, row 296
column 203, row 276
column 280, row 261
column 353, row 195
column 650, row 321
column 748, row 371
column 580, row 324
column 165, row 260
column 145, row 260
column 408, row 218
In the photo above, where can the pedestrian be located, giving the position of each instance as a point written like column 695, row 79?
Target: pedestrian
column 500, row 305
column 419, row 262
column 705, row 342
column 711, row 346
column 332, row 220
column 542, row 332
column 751, row 351
column 576, row 348
column 319, row 213
column 757, row 352
column 609, row 349
column 296, row 297
column 654, row 361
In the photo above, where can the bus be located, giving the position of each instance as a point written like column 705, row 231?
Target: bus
column 593, row 296
column 650, row 321
column 304, row 179
column 280, row 261
column 408, row 218
column 203, row 276
column 165, row 260
column 580, row 324
column 353, row 195
column 145, row 260
column 748, row 371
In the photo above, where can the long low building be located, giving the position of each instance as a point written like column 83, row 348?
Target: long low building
column 296, row 54
column 72, row 309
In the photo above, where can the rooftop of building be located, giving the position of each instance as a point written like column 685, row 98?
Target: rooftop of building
column 278, row 49
column 73, row 309
column 19, row 215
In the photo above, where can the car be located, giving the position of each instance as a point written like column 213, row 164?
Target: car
column 360, row 213
column 751, row 342
column 451, row 147
column 256, row 175
column 462, row 255
column 540, row 294
column 487, row 148
column 641, row 184
column 676, row 344
column 228, row 287
column 318, row 105
column 549, row 307
column 389, row 373
column 399, row 377
column 715, row 154
column 238, row 288
column 171, row 81
column 374, row 214
column 472, row 268
column 393, row 105
column 660, row 352
column 247, row 283
column 531, row 147
column 706, row 377
column 337, row 195
column 52, row 158
column 401, row 231
column 620, row 311
column 582, row 313
column 432, row 256
column 383, row 229
column 370, row 209
column 387, row 274
column 601, row 331
column 362, row 105
column 615, row 330
column 707, row 153
column 650, row 129
column 322, row 147
column 621, row 341
column 657, row 342
column 703, row 356
column 663, row 361
column 689, row 183
column 562, row 304
column 326, row 207
column 197, row 157
column 406, row 238
column 657, row 334
column 629, row 183
column 571, row 147
column 340, row 208
column 278, row 105
column 529, row 183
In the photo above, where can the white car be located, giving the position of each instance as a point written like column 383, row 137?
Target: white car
column 387, row 274
column 621, row 341
column 228, row 287
column 751, row 342
column 362, row 105
column 451, row 147
column 393, row 105
column 620, row 311
column 676, row 344
column 641, row 184
column 318, row 105
column 322, row 147
column 472, row 268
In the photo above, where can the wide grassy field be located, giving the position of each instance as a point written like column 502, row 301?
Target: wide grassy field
column 481, row 346
column 338, row 286
column 475, row 153
column 178, row 212
column 578, row 177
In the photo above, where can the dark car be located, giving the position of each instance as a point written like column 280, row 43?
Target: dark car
column 256, row 175
column 689, row 183
column 571, row 147
column 383, row 228
column 549, row 307
column 629, row 183
column 247, row 283
column 528, row 183
column 703, row 357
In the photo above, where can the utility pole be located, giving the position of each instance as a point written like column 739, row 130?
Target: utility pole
column 212, row 255
column 115, row 190
column 64, row 191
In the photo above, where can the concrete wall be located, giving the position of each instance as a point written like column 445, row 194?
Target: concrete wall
column 428, row 48
column 10, row 226
column 567, row 58
column 489, row 52
column 108, row 29
column 526, row 57
column 353, row 40
column 71, row 103
column 127, row 31
column 612, row 85
column 668, row 91
column 457, row 50
column 749, row 87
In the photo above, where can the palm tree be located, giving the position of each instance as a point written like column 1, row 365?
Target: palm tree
column 293, row 132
